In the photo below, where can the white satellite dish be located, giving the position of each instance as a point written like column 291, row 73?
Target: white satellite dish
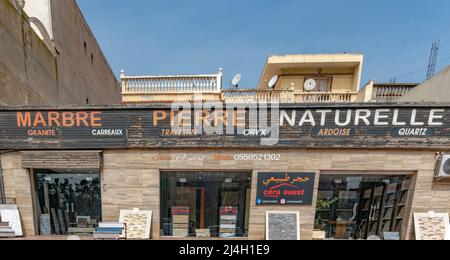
column 273, row 81
column 236, row 80
column 310, row 85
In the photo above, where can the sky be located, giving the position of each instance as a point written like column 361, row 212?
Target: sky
column 161, row 37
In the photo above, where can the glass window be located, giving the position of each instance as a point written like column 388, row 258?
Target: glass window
column 361, row 207
column 205, row 204
column 68, row 201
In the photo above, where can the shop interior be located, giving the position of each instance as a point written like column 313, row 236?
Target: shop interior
column 67, row 201
column 362, row 207
column 205, row 204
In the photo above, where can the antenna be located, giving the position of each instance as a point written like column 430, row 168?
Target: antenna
column 273, row 81
column 236, row 80
column 433, row 60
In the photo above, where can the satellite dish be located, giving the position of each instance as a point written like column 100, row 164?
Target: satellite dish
column 236, row 80
column 273, row 81
column 310, row 84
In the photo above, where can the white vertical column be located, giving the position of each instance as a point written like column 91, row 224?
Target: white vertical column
column 219, row 80
column 122, row 78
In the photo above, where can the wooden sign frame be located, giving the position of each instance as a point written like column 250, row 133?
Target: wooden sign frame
column 296, row 213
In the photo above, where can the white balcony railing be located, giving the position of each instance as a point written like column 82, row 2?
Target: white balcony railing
column 163, row 89
column 286, row 96
column 390, row 92
column 326, row 97
column 171, row 84
column 253, row 95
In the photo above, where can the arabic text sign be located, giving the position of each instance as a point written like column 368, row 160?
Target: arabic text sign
column 285, row 188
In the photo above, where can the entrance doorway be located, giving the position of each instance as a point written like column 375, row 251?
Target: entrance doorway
column 67, row 201
column 205, row 204
column 362, row 206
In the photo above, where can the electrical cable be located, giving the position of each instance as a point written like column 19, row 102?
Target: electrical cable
column 421, row 69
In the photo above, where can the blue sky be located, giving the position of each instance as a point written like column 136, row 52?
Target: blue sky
column 153, row 37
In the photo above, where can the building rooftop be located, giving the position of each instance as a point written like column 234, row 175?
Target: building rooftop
column 309, row 64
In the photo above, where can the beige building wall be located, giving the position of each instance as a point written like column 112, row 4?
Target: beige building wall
column 437, row 89
column 345, row 70
column 339, row 83
column 35, row 73
column 286, row 82
column 342, row 83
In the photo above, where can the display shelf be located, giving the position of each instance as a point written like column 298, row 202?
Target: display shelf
column 400, row 206
column 180, row 221
column 380, row 207
column 386, row 226
column 389, row 201
column 228, row 221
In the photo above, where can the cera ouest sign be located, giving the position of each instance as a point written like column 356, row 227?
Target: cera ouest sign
column 230, row 126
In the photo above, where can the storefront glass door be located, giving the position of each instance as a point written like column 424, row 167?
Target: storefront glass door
column 68, row 202
column 361, row 207
column 205, row 204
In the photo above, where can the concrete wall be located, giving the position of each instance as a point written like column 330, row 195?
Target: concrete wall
column 83, row 73
column 41, row 9
column 33, row 74
column 27, row 68
column 437, row 89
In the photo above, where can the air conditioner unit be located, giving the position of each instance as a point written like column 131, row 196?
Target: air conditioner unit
column 443, row 167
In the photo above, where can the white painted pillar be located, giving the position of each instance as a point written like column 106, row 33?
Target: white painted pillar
column 219, row 80
column 122, row 78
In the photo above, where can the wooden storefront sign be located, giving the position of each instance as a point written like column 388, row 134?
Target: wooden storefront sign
column 299, row 126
